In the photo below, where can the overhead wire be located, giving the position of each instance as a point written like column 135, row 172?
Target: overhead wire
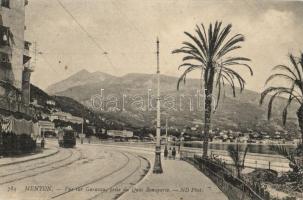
column 93, row 40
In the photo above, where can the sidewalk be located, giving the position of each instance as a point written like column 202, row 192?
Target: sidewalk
column 180, row 180
column 20, row 159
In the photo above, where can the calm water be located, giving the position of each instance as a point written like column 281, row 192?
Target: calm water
column 254, row 148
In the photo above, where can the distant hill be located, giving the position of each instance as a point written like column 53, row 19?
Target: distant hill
column 130, row 92
column 69, row 105
column 82, row 77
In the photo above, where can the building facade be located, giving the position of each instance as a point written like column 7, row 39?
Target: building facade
column 15, row 69
column 67, row 117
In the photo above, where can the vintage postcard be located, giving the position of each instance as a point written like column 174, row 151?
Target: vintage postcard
column 151, row 100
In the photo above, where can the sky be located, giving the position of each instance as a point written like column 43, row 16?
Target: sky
column 119, row 36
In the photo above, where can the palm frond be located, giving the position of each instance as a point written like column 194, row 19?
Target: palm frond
column 278, row 89
column 279, row 75
column 230, row 80
column 239, row 64
column 183, row 76
column 189, row 65
column 229, row 44
column 287, row 69
column 204, row 50
column 295, row 64
column 244, row 155
column 222, row 37
column 200, row 52
column 197, row 42
column 284, row 113
column 237, row 76
column 203, row 38
column 272, row 98
column 281, row 150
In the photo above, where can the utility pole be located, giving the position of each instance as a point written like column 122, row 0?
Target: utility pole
column 157, row 165
column 166, row 129
column 166, row 139
column 82, row 126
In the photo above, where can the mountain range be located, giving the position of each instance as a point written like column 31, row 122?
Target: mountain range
column 125, row 99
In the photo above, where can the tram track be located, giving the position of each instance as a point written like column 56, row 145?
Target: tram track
column 79, row 157
column 139, row 158
column 40, row 166
column 121, row 181
column 97, row 179
column 122, row 167
column 30, row 160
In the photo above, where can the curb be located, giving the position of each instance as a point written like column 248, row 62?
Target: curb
column 31, row 159
column 140, row 181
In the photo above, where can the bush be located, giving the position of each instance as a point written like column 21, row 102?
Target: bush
column 12, row 144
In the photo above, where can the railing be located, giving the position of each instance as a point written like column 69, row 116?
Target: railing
column 232, row 187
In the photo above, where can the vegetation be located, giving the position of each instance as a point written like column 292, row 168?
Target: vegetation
column 294, row 90
column 12, row 144
column 208, row 53
column 236, row 155
column 295, row 177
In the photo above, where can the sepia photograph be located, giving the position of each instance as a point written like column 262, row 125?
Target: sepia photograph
column 151, row 100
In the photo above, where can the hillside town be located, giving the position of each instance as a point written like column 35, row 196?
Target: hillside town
column 70, row 128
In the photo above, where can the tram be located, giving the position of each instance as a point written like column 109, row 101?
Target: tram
column 67, row 137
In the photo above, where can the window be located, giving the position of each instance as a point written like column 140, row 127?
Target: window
column 5, row 3
column 4, row 36
column 4, row 58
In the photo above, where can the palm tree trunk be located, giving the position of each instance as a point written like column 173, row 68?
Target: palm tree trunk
column 239, row 173
column 207, row 121
column 300, row 119
column 208, row 110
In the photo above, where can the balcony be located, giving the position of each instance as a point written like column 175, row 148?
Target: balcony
column 5, row 3
column 16, row 107
column 26, row 52
column 11, row 101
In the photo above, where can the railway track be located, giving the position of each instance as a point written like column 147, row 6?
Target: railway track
column 29, row 160
column 97, row 179
column 39, row 166
column 122, row 167
column 121, row 181
column 48, row 167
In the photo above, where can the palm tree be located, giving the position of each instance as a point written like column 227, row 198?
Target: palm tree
column 237, row 157
column 293, row 75
column 207, row 52
column 290, row 156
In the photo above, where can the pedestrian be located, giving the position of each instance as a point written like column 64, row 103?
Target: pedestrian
column 169, row 153
column 165, row 152
column 174, row 153
column 42, row 143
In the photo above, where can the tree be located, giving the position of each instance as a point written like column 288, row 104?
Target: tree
column 294, row 90
column 235, row 154
column 208, row 52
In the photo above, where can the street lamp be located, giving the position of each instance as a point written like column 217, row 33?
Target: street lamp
column 148, row 100
column 166, row 140
column 157, row 165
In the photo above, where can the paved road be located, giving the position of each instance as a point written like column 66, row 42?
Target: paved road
column 102, row 171
column 84, row 172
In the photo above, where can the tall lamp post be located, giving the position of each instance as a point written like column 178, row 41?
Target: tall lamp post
column 166, row 139
column 157, row 165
